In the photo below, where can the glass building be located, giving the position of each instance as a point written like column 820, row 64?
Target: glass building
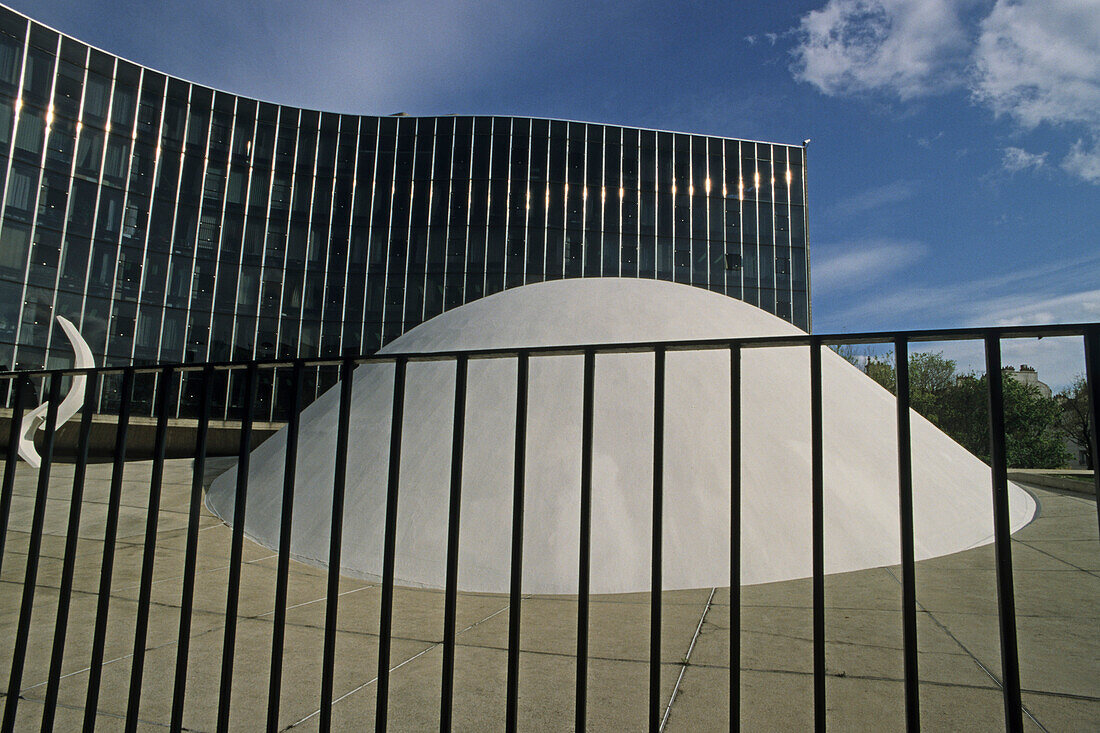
column 173, row 222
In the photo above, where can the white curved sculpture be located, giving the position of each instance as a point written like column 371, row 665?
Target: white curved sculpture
column 952, row 495
column 69, row 406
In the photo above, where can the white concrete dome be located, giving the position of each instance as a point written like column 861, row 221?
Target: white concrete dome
column 952, row 496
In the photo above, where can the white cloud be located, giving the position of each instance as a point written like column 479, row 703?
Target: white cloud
column 1033, row 61
column 1084, row 161
column 926, row 142
column 908, row 48
column 891, row 193
column 1037, row 293
column 1039, row 61
column 1017, row 159
column 1056, row 360
column 854, row 265
column 1038, row 308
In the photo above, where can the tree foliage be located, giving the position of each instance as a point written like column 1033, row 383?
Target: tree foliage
column 1033, row 438
column 1075, row 417
column 958, row 404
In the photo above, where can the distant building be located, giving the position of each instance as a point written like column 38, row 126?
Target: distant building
column 1027, row 376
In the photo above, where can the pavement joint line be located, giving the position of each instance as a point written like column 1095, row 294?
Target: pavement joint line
column 124, row 656
column 399, row 665
column 996, row 680
column 1059, row 559
column 116, row 591
column 103, row 713
column 686, row 661
column 839, row 642
column 881, row 678
column 925, row 609
column 159, row 604
column 206, row 632
column 315, row 600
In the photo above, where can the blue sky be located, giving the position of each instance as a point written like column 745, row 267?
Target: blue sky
column 954, row 168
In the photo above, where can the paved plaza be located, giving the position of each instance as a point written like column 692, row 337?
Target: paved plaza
column 1057, row 581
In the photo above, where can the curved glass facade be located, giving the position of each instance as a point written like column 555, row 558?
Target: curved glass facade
column 172, row 222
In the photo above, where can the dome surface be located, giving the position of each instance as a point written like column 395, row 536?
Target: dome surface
column 952, row 495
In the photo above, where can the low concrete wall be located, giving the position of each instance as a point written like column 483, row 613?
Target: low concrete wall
column 223, row 438
column 1054, row 479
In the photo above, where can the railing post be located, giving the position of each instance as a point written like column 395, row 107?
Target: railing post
column 817, row 497
column 385, row 613
column 149, row 551
column 516, row 569
column 905, row 513
column 236, row 550
column 286, row 524
column 11, row 459
column 190, row 554
column 584, row 569
column 72, row 533
column 30, row 579
column 446, row 697
column 1092, row 378
column 656, row 540
column 336, row 535
column 110, row 532
column 735, row 536
column 1006, row 602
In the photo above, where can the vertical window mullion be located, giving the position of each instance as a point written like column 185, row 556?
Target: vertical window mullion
column 36, row 192
column 148, row 227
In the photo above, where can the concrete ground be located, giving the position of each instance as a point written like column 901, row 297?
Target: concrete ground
column 1057, row 581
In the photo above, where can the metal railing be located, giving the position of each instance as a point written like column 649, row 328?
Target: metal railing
column 900, row 341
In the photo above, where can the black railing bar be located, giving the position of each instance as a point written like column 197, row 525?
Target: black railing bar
column 191, row 549
column 148, row 554
column 34, row 546
column 754, row 342
column 336, row 537
column 585, row 543
column 800, row 339
column 389, row 551
column 236, row 553
column 11, row 460
column 1006, row 601
column 282, row 574
column 72, row 533
column 454, row 510
column 735, row 538
column 515, row 589
column 656, row 541
column 1092, row 378
column 1056, row 330
column 908, row 558
column 110, row 532
column 817, row 538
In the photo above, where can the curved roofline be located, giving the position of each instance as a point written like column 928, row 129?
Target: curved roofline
column 352, row 114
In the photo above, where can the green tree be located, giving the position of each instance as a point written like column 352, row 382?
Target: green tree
column 1075, row 416
column 958, row 404
column 882, row 371
column 930, row 377
column 1033, row 435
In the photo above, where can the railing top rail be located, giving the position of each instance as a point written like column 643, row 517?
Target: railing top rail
column 801, row 339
